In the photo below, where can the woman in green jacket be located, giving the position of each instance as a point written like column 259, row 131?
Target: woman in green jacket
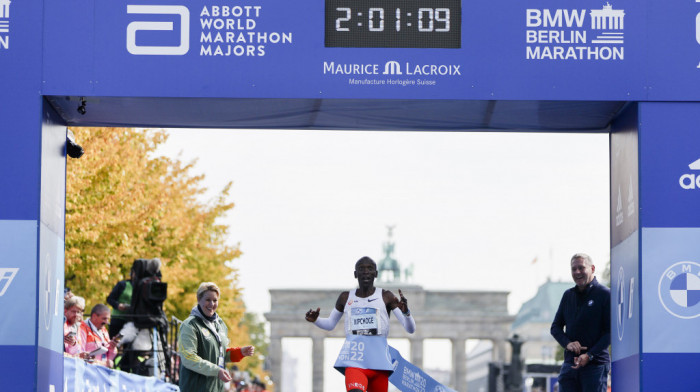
column 203, row 343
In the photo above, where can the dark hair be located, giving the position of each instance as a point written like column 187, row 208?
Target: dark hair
column 365, row 259
column 99, row 309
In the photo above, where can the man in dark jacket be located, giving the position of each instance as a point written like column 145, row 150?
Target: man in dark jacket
column 585, row 312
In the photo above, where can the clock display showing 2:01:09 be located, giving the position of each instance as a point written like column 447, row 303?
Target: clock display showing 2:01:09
column 393, row 23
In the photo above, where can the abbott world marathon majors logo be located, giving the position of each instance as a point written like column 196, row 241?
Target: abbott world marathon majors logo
column 679, row 289
column 221, row 30
column 575, row 34
column 392, row 73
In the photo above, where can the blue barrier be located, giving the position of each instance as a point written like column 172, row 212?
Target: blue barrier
column 79, row 376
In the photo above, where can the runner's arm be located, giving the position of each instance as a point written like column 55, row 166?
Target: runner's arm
column 330, row 322
column 409, row 324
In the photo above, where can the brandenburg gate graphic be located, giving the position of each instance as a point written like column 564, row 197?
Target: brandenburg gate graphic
column 607, row 18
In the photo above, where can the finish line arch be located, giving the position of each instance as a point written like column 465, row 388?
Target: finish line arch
column 628, row 68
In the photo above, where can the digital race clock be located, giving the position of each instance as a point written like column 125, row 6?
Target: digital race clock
column 393, row 23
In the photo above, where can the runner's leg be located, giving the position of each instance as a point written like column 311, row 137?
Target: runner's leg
column 355, row 380
column 378, row 381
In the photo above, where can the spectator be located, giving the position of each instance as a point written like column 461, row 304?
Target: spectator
column 67, row 294
column 203, row 345
column 582, row 327
column 73, row 309
column 258, row 386
column 94, row 336
column 120, row 300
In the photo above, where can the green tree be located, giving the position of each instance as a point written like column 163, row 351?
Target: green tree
column 123, row 203
column 258, row 337
column 559, row 354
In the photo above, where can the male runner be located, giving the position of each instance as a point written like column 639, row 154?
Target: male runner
column 364, row 358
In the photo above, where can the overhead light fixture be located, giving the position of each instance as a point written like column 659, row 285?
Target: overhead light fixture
column 82, row 109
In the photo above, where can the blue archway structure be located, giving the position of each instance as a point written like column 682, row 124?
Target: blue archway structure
column 628, row 68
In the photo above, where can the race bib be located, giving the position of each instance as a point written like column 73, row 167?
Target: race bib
column 364, row 321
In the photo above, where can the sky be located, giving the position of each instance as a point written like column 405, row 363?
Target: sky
column 471, row 210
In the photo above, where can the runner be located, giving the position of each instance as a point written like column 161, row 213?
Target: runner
column 364, row 358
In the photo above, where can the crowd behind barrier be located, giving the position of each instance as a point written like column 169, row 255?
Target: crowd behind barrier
column 140, row 341
column 143, row 353
column 151, row 372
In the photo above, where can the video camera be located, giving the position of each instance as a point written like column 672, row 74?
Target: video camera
column 149, row 294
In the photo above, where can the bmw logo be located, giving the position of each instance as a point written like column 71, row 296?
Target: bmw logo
column 620, row 311
column 679, row 289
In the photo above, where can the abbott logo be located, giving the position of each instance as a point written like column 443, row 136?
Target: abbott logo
column 392, row 68
column 690, row 180
column 6, row 276
column 133, row 27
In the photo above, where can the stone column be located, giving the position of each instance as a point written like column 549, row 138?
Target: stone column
column 417, row 351
column 274, row 356
column 317, row 351
column 499, row 350
column 459, row 364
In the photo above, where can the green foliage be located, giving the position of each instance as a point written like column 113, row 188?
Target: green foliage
column 122, row 204
column 559, row 354
column 258, row 337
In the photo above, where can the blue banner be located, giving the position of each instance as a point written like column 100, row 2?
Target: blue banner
column 409, row 378
column 82, row 377
column 18, row 282
column 671, row 290
column 380, row 49
column 438, row 49
column 17, row 367
column 670, row 164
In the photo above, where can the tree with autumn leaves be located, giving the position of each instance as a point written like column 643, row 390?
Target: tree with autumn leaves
column 124, row 203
